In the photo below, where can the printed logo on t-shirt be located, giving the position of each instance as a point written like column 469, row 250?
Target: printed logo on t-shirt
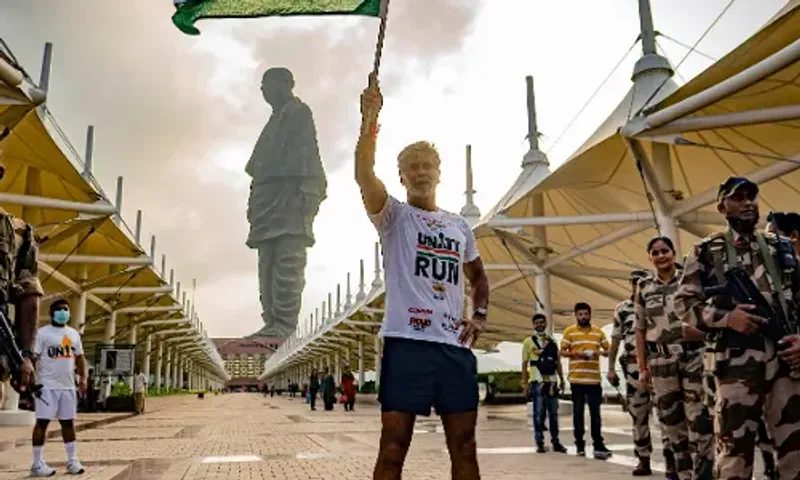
column 437, row 258
column 450, row 323
column 419, row 324
column 420, row 311
column 439, row 291
column 434, row 224
column 65, row 350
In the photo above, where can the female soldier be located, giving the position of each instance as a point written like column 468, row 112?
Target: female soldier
column 675, row 365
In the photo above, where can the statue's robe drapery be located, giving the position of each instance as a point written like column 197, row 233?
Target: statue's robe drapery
column 288, row 178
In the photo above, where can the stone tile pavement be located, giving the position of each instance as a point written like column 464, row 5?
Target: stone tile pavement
column 248, row 436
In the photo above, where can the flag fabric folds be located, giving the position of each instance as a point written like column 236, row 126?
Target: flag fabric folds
column 190, row 11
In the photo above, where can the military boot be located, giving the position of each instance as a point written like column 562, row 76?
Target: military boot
column 671, row 472
column 770, row 472
column 643, row 468
column 705, row 471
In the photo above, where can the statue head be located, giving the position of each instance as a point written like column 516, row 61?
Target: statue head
column 419, row 168
column 276, row 86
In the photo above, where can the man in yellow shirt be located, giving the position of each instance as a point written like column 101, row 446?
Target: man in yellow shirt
column 541, row 368
column 583, row 344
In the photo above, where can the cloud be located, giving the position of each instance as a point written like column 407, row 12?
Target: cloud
column 177, row 115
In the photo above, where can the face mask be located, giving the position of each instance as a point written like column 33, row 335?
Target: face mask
column 61, row 317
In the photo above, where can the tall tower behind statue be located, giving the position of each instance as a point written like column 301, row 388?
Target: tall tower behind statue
column 288, row 185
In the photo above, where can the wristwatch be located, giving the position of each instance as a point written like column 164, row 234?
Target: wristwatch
column 479, row 312
column 26, row 354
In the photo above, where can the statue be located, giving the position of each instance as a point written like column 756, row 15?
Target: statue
column 287, row 189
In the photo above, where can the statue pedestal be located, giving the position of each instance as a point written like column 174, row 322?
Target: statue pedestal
column 11, row 415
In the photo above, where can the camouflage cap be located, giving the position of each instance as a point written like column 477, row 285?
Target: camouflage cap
column 732, row 184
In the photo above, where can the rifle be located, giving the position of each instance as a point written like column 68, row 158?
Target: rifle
column 623, row 400
column 741, row 288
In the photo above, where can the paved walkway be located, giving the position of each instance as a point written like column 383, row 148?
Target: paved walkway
column 247, row 436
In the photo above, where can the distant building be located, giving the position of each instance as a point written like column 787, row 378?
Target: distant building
column 244, row 357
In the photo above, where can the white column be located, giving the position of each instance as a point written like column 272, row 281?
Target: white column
column 148, row 345
column 360, row 361
column 542, row 281
column 167, row 370
column 111, row 329
column 159, row 364
column 80, row 313
column 542, row 285
column 132, row 341
column 662, row 167
column 377, row 282
column 184, row 366
column 176, row 365
column 337, row 366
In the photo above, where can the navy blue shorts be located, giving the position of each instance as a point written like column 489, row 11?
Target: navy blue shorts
column 417, row 375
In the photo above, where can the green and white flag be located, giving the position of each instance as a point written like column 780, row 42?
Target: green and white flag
column 190, row 11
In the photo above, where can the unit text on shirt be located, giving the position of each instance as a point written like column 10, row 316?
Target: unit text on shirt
column 56, row 349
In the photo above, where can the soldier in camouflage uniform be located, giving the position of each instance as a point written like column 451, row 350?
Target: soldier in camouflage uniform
column 674, row 365
column 752, row 378
column 640, row 398
column 763, row 442
column 19, row 286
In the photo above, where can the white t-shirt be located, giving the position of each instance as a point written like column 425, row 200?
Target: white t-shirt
column 139, row 383
column 57, row 348
column 423, row 256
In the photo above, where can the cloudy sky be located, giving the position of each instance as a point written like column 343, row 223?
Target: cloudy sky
column 177, row 116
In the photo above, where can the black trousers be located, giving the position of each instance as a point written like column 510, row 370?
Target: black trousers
column 313, row 393
column 581, row 396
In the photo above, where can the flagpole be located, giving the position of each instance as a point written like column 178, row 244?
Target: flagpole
column 381, row 35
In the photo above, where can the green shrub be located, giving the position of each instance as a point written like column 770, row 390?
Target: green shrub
column 121, row 389
column 368, row 387
column 503, row 382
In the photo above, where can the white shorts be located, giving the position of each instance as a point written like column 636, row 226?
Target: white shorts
column 57, row 404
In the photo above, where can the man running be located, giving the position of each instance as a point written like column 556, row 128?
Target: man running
column 427, row 254
column 58, row 351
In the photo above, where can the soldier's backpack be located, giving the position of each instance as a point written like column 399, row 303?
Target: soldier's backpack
column 547, row 364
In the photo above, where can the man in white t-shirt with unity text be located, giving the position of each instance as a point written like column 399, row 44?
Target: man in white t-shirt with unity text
column 58, row 350
column 428, row 255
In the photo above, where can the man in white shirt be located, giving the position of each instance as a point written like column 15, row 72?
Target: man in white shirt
column 58, row 350
column 428, row 254
column 139, row 389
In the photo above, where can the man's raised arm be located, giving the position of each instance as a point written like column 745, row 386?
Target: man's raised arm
column 373, row 191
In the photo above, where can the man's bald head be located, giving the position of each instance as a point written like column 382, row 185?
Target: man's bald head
column 276, row 85
column 279, row 76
